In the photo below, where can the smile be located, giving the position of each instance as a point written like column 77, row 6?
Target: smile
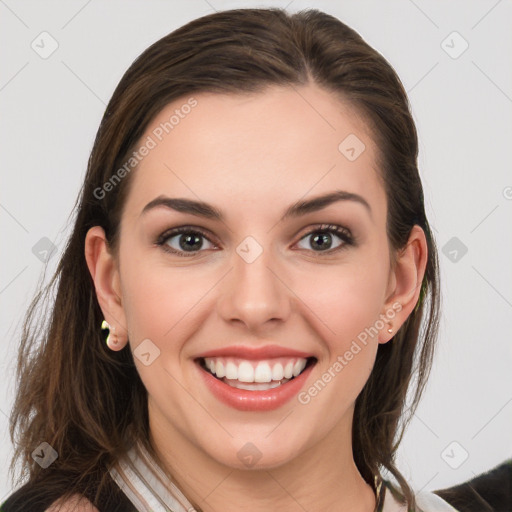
column 255, row 384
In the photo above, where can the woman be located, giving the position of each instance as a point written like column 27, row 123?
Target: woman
column 251, row 244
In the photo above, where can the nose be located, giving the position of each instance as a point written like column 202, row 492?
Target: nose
column 254, row 293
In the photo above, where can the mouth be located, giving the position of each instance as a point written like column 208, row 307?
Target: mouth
column 248, row 384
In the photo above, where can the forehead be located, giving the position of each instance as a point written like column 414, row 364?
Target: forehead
column 259, row 149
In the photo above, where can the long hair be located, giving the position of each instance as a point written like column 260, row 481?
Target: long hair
column 88, row 402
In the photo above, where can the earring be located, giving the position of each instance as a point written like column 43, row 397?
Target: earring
column 112, row 340
column 390, row 330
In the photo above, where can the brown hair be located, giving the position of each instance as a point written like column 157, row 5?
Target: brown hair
column 88, row 402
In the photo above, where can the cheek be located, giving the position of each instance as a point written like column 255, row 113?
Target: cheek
column 347, row 303
column 347, row 299
column 161, row 301
column 145, row 304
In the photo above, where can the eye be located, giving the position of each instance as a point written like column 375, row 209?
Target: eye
column 323, row 235
column 188, row 240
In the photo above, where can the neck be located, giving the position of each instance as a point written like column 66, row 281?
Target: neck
column 322, row 478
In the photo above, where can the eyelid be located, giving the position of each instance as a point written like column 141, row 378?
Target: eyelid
column 326, row 227
column 168, row 233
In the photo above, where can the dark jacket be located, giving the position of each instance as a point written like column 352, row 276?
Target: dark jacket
column 33, row 497
column 488, row 492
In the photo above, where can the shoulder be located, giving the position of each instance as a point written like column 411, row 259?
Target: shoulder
column 425, row 501
column 428, row 501
column 29, row 496
column 488, row 491
column 32, row 497
column 76, row 503
column 47, row 496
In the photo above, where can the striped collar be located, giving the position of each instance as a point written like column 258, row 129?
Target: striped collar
column 146, row 485
column 150, row 490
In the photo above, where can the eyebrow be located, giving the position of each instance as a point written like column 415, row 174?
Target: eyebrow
column 208, row 211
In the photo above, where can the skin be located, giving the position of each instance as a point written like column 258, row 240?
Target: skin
column 252, row 156
column 75, row 503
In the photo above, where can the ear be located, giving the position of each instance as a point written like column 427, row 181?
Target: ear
column 405, row 283
column 105, row 274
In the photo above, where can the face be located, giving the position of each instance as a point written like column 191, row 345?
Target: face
column 258, row 295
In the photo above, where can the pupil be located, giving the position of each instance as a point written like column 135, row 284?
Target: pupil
column 188, row 244
column 322, row 236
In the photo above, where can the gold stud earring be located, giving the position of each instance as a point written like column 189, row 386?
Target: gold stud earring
column 112, row 340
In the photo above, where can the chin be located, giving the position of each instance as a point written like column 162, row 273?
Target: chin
column 263, row 451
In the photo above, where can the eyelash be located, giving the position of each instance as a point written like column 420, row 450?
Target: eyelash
column 341, row 232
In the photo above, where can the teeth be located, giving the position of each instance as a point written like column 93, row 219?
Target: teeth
column 288, row 370
column 219, row 370
column 277, row 372
column 245, row 372
column 254, row 386
column 299, row 366
column 264, row 373
column 231, row 370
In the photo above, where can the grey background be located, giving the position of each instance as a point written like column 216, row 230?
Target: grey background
column 51, row 108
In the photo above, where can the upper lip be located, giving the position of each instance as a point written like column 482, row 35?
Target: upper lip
column 254, row 353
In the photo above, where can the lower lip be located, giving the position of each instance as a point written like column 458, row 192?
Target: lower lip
column 245, row 400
